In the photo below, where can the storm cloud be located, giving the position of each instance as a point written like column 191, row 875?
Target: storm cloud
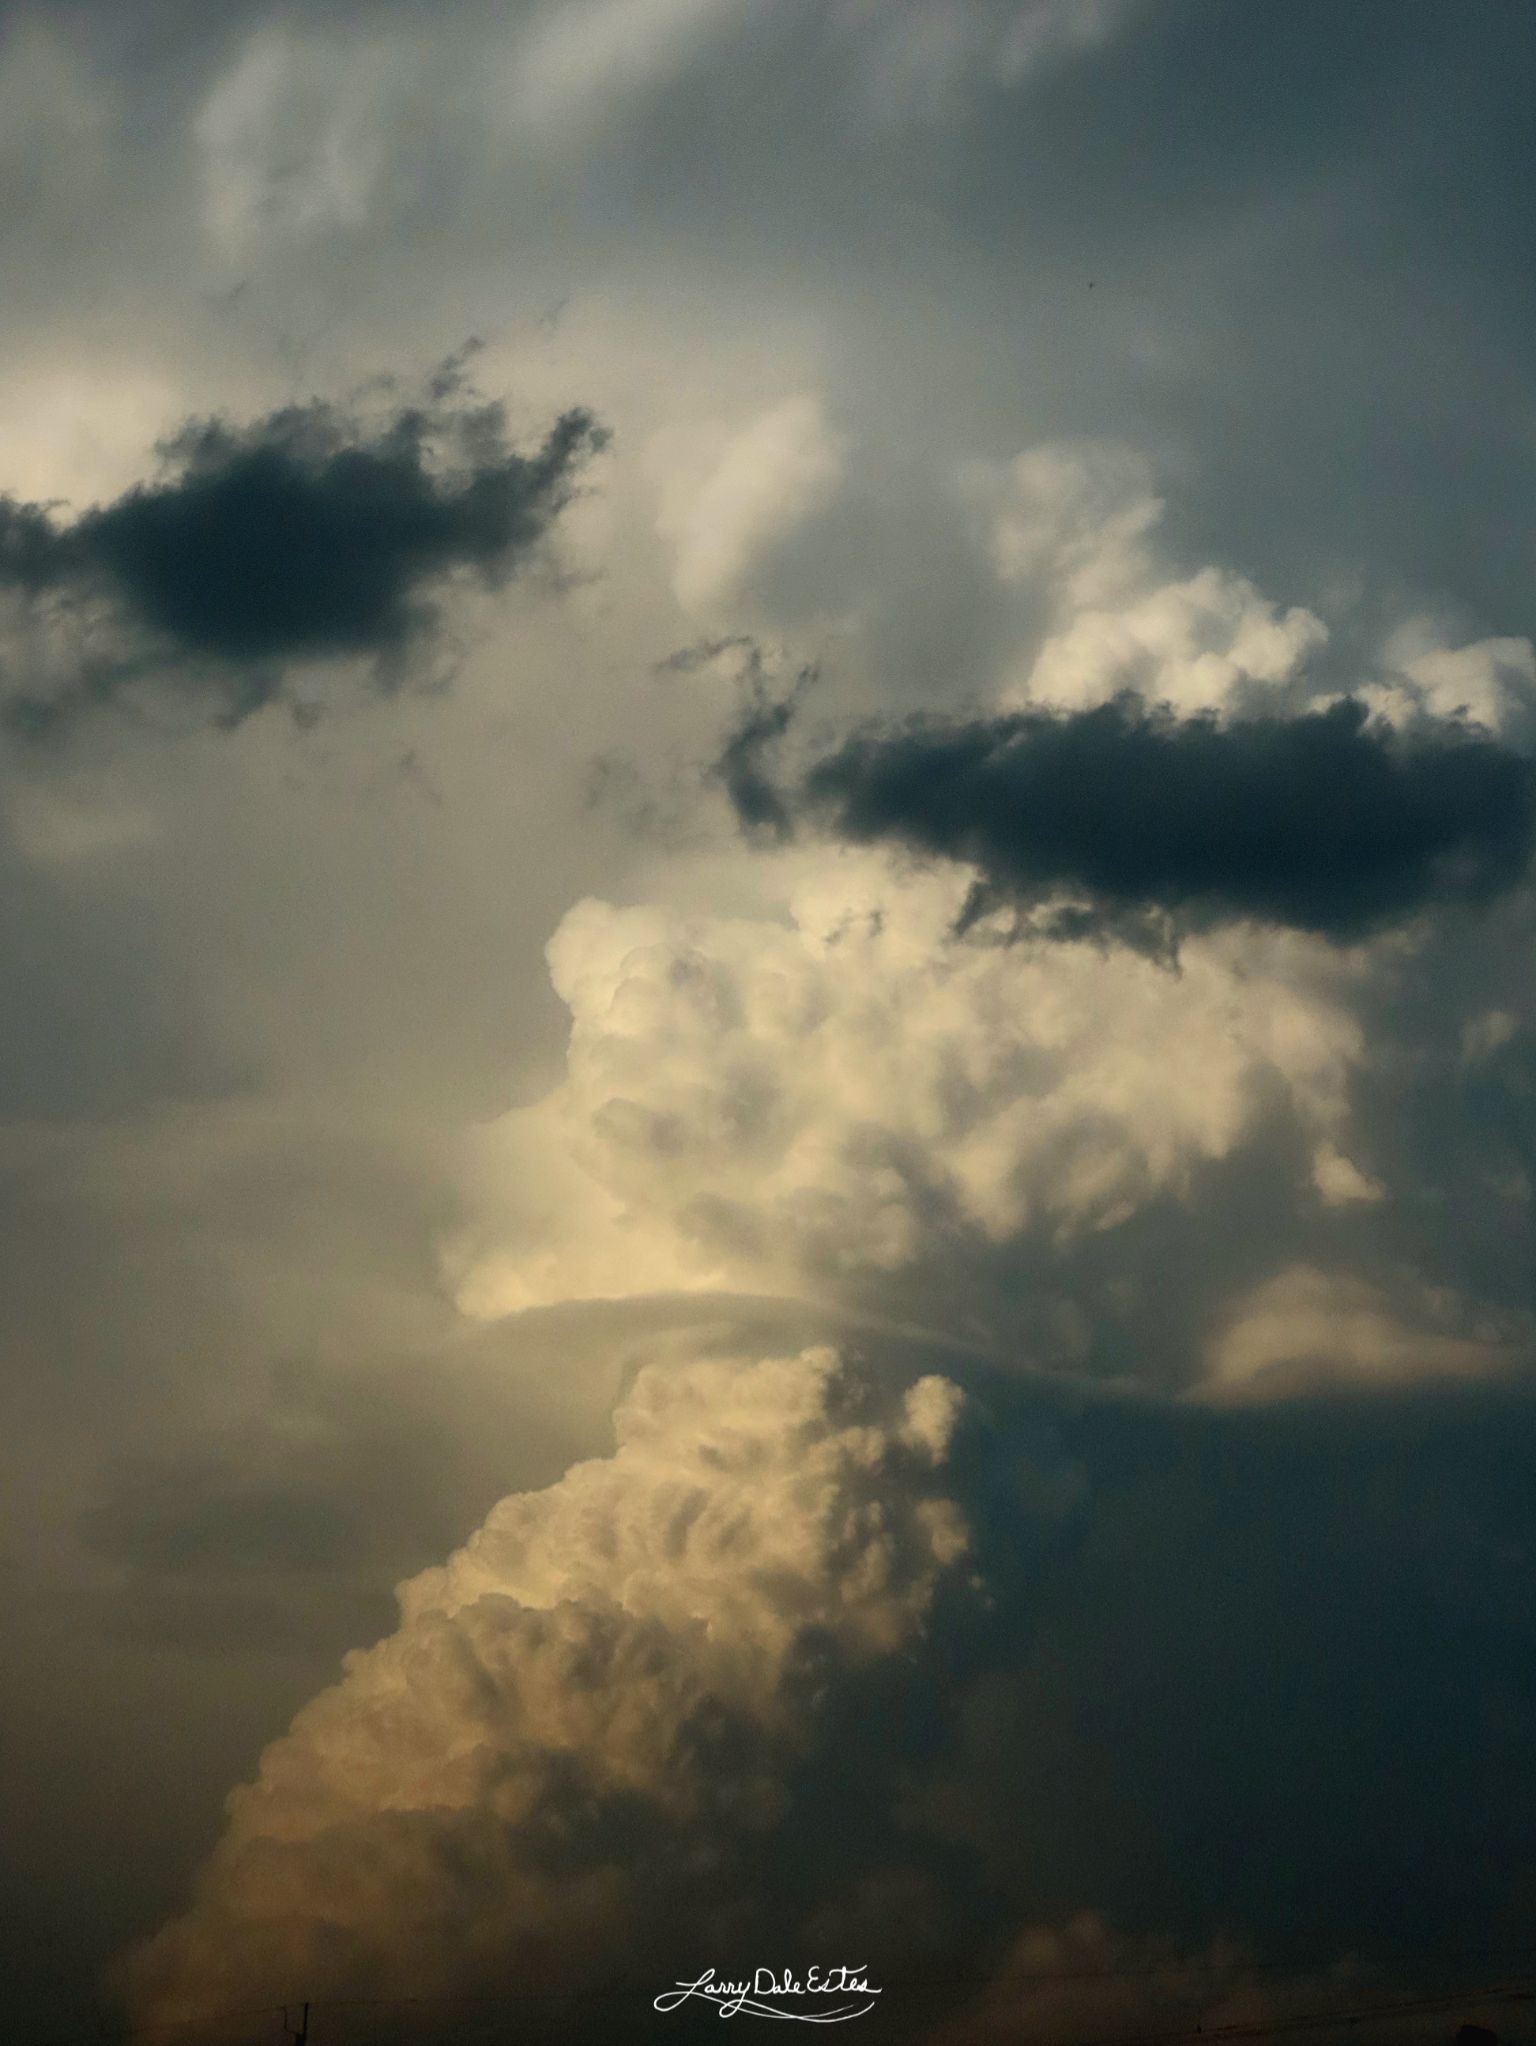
column 1327, row 822
column 817, row 1657
column 314, row 532
column 1066, row 1532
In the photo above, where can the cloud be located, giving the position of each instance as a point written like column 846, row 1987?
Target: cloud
column 579, row 63
column 1324, row 822
column 573, row 63
column 309, row 534
column 766, row 480
column 1076, row 522
column 1306, row 1327
column 588, row 1712
column 828, row 1658
column 1491, row 682
column 765, row 719
column 292, row 138
column 923, row 66
column 836, row 1097
column 1193, row 643
column 1075, row 514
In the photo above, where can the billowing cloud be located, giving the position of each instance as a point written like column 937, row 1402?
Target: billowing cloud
column 589, row 1715
column 309, row 534
column 1490, row 682
column 827, row 1656
column 851, row 1092
column 1323, row 822
column 1076, row 524
column 1194, row 643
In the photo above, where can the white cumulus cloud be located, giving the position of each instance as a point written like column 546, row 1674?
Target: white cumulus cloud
column 779, row 1103
column 1077, row 520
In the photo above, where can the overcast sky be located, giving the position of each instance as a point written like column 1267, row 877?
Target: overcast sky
column 767, row 784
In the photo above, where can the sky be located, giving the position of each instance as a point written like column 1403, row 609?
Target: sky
column 768, row 1052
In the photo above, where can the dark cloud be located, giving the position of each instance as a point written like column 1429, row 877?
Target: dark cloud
column 1225, row 1648
column 307, row 534
column 1326, row 822
column 742, row 768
